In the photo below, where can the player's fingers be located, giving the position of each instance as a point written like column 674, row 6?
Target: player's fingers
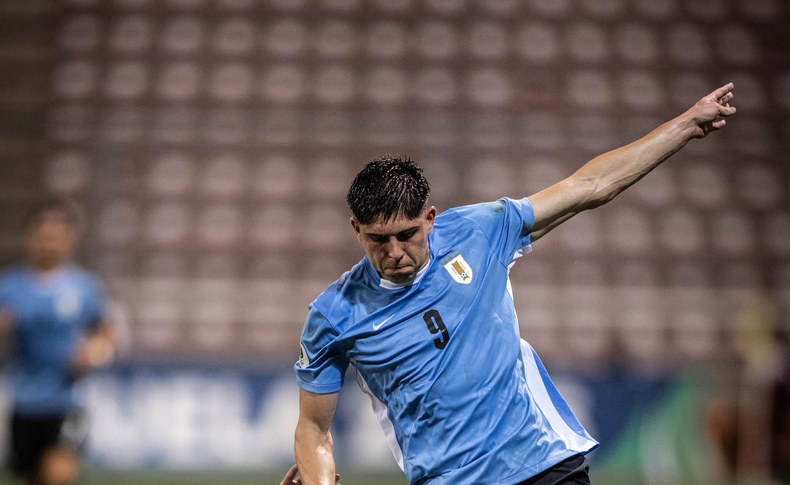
column 717, row 94
column 726, row 110
column 289, row 477
column 726, row 98
column 718, row 124
column 337, row 477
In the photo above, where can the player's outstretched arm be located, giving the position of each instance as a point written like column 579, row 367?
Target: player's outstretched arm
column 97, row 350
column 313, row 441
column 602, row 178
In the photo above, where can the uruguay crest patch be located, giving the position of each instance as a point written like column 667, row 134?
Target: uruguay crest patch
column 459, row 269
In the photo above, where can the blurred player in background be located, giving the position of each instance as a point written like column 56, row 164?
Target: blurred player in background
column 428, row 320
column 55, row 314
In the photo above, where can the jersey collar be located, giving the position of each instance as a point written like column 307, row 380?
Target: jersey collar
column 389, row 285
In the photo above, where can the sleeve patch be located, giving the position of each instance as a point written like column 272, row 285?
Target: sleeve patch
column 304, row 361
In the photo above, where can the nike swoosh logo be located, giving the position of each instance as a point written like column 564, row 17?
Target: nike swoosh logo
column 376, row 327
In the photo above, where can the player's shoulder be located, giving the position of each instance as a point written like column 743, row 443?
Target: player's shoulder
column 340, row 297
column 347, row 297
column 491, row 209
column 472, row 217
column 12, row 274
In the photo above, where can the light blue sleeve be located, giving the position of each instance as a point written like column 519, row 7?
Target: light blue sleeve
column 322, row 363
column 506, row 222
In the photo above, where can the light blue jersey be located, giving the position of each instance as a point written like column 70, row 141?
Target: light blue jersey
column 461, row 398
column 50, row 316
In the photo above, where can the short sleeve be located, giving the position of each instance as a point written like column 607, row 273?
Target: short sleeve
column 507, row 223
column 322, row 363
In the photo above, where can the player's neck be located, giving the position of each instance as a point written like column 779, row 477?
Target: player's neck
column 49, row 271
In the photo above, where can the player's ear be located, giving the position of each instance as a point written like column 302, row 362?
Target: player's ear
column 355, row 225
column 430, row 218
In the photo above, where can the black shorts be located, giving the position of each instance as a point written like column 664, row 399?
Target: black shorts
column 31, row 437
column 573, row 471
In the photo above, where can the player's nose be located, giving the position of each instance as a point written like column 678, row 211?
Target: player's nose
column 396, row 251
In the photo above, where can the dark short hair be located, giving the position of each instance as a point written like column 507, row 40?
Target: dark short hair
column 388, row 187
column 66, row 208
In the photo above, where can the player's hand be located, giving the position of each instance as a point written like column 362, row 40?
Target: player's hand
column 708, row 113
column 94, row 353
column 292, row 479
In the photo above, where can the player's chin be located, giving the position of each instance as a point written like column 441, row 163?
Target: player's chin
column 400, row 274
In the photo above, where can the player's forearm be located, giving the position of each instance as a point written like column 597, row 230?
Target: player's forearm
column 605, row 176
column 314, row 451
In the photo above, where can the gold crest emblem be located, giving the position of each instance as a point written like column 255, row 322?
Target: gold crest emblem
column 459, row 269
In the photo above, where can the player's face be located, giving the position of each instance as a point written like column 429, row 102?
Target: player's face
column 51, row 241
column 398, row 248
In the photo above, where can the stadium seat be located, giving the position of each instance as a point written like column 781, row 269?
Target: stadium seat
column 386, row 40
column 231, row 82
column 552, row 8
column 637, row 43
column 67, row 172
column 758, row 185
column 776, row 232
column 329, row 177
column 172, row 174
column 234, row 37
column 487, row 41
column 489, row 179
column 272, row 226
column 224, row 176
column 179, row 81
column 277, row 177
column 538, row 42
column 335, row 85
column 386, row 85
column 630, row 231
column 733, row 232
column 336, row 39
column 656, row 9
column 168, row 224
column 587, row 42
column 436, row 86
column 131, row 35
column 704, row 184
column 75, row 79
column 219, row 226
column 688, row 45
column 118, row 223
column 183, row 36
column 681, row 232
column 286, row 38
column 80, row 34
column 71, row 123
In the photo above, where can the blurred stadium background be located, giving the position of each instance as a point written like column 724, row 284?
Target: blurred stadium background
column 211, row 143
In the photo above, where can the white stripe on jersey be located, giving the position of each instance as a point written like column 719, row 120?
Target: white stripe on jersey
column 537, row 388
column 380, row 409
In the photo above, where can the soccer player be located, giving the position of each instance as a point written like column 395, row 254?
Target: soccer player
column 428, row 320
column 55, row 313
